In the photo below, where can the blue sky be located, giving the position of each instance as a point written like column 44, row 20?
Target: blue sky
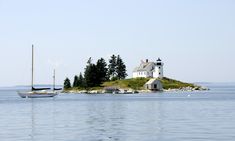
column 195, row 39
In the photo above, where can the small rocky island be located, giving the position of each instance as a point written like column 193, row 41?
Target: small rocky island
column 137, row 85
column 148, row 77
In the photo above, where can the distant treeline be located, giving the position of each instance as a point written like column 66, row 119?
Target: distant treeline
column 96, row 74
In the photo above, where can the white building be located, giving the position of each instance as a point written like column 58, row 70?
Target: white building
column 153, row 85
column 149, row 69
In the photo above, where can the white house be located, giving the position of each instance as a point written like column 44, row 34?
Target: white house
column 149, row 69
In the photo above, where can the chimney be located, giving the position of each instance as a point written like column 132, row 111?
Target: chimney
column 147, row 60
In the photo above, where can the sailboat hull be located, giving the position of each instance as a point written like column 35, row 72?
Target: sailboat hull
column 37, row 94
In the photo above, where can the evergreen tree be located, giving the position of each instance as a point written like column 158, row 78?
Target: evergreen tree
column 112, row 66
column 101, row 71
column 90, row 74
column 120, row 68
column 75, row 82
column 67, row 83
column 81, row 82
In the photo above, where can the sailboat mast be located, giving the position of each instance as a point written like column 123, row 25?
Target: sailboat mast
column 54, row 80
column 32, row 67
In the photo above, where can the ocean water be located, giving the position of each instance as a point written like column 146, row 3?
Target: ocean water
column 173, row 116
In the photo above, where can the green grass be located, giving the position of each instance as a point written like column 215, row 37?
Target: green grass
column 138, row 83
column 134, row 83
column 175, row 84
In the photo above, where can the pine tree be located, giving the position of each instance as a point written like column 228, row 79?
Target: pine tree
column 75, row 82
column 121, row 68
column 90, row 74
column 112, row 66
column 67, row 83
column 101, row 71
column 81, row 82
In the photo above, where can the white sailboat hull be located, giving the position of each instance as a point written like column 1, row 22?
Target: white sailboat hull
column 37, row 94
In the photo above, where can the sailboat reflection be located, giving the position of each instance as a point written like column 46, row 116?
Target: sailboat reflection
column 42, row 120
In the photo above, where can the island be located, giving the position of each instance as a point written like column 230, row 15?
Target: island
column 136, row 85
column 148, row 77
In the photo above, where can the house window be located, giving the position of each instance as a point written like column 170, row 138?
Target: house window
column 159, row 67
column 155, row 86
column 159, row 73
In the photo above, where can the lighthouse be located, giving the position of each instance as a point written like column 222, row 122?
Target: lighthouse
column 158, row 71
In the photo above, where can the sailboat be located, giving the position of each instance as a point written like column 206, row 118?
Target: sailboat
column 39, row 92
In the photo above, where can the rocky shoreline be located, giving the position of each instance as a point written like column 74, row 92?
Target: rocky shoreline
column 131, row 91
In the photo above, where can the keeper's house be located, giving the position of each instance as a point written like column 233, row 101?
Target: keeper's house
column 148, row 69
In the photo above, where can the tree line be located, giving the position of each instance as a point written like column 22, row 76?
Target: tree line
column 97, row 73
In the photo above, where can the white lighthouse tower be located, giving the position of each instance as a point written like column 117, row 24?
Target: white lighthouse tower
column 158, row 72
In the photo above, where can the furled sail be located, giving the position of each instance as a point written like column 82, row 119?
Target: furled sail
column 39, row 89
column 57, row 89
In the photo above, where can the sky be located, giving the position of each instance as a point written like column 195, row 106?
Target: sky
column 194, row 38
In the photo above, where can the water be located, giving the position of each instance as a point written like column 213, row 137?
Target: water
column 181, row 116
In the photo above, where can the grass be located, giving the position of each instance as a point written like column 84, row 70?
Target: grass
column 138, row 83
column 175, row 84
column 134, row 83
